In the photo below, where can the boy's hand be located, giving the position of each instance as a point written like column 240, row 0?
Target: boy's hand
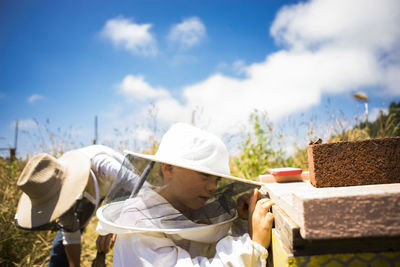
column 243, row 206
column 105, row 242
column 260, row 220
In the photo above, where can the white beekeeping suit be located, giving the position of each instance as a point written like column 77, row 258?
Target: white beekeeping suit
column 182, row 211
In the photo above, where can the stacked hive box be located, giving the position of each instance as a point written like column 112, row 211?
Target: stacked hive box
column 282, row 256
column 353, row 218
column 373, row 161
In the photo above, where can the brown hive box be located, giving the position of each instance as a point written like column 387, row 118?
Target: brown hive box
column 372, row 161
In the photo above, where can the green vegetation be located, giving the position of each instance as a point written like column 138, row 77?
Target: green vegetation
column 262, row 148
column 385, row 125
column 258, row 152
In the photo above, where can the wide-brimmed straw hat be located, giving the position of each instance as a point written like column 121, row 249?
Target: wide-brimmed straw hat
column 189, row 147
column 50, row 187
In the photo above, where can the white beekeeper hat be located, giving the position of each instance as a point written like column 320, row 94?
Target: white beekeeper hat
column 185, row 146
column 189, row 147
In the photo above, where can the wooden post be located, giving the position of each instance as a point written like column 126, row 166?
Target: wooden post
column 16, row 135
column 12, row 154
column 13, row 150
column 95, row 131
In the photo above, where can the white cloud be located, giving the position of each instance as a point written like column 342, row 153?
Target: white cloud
column 133, row 37
column 34, row 98
column 136, row 88
column 356, row 23
column 286, row 83
column 331, row 47
column 391, row 78
column 367, row 31
column 188, row 33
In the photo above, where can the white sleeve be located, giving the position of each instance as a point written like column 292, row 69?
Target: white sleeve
column 105, row 166
column 150, row 250
column 105, row 162
column 93, row 150
column 70, row 238
column 106, row 169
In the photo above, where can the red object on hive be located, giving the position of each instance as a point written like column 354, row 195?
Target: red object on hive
column 285, row 171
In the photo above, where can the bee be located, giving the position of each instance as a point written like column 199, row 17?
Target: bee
column 319, row 141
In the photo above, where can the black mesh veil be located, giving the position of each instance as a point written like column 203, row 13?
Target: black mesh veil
column 134, row 203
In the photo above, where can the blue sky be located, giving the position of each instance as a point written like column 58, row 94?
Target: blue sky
column 64, row 62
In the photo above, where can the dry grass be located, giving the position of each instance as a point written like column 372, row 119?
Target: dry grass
column 89, row 245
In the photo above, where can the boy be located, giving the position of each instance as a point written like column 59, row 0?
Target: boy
column 185, row 220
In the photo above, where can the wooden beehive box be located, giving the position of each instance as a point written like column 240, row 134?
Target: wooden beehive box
column 366, row 162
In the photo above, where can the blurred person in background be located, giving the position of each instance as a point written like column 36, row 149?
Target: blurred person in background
column 63, row 195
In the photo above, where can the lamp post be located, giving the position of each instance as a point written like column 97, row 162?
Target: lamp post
column 360, row 96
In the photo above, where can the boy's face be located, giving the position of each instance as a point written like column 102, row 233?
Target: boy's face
column 187, row 189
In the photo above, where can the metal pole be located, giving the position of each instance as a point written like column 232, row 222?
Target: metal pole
column 13, row 151
column 16, row 135
column 360, row 96
column 95, row 130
